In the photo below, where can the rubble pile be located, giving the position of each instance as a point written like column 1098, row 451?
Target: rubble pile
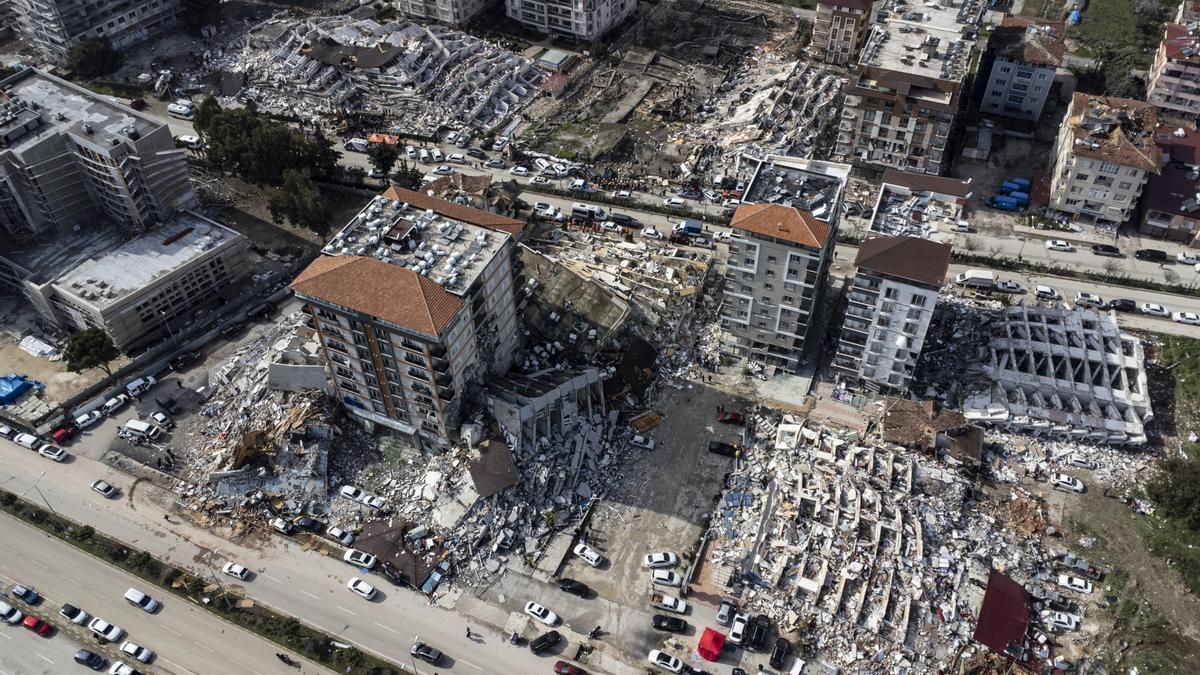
column 878, row 548
column 322, row 65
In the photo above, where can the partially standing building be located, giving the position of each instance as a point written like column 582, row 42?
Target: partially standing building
column 54, row 27
column 1024, row 55
column 889, row 306
column 839, row 28
column 449, row 12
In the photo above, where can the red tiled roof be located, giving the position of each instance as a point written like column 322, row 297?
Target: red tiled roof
column 466, row 214
column 1017, row 39
column 379, row 289
column 782, row 222
column 1178, row 39
column 911, row 258
column 1133, row 147
column 1004, row 616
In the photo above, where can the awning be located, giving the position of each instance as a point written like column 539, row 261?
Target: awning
column 711, row 643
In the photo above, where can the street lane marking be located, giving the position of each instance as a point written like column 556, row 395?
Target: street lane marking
column 376, row 623
column 203, row 646
column 172, row 631
column 5, row 636
column 98, row 594
column 346, row 610
column 44, row 659
column 272, row 578
column 310, row 595
column 233, row 660
column 468, row 663
column 40, row 564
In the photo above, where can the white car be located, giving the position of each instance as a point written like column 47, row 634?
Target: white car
column 375, row 502
column 671, row 604
column 136, row 651
column 362, row 588
column 661, row 559
column 590, row 555
column 1154, row 309
column 651, row 233
column 104, row 488
column 354, row 494
column 623, row 194
column 10, row 614
column 1060, row 620
column 340, row 536
column 410, row 151
column 539, row 180
column 142, row 601
column 723, row 236
column 1065, row 482
column 236, row 571
column 359, row 558
column 188, row 141
column 541, row 207
column 1059, row 245
column 665, row 661
column 281, row 526
column 737, row 630
column 437, row 155
column 105, row 629
column 1088, row 299
column 500, row 142
column 1187, row 258
column 1190, row 318
column 120, row 668
column 88, row 419
column 52, row 452
column 674, row 202
column 666, row 578
column 495, row 163
column 27, row 441
column 643, row 442
column 115, row 403
column 179, row 109
column 1009, row 286
column 1076, row 459
column 443, row 170
column 519, row 171
column 610, row 226
column 541, row 614
column 1046, row 293
column 1074, row 583
column 457, row 158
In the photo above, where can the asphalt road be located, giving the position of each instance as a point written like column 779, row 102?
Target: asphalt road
column 23, row 653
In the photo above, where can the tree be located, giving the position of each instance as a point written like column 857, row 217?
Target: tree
column 205, row 113
column 408, row 177
column 1111, row 267
column 383, row 157
column 299, row 201
column 1176, row 490
column 91, row 348
column 92, row 57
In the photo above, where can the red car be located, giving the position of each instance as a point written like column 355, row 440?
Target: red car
column 564, row 668
column 65, row 433
column 731, row 417
column 37, row 625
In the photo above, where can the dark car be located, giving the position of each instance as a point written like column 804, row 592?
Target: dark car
column 756, row 632
column 780, row 652
column 574, row 587
column 230, row 331
column 671, row 624
column 28, row 594
column 543, row 642
column 564, row 668
column 693, row 670
column 168, row 404
column 261, row 311
column 721, row 448
column 477, row 153
column 184, row 360
column 1108, row 250
column 625, row 220
column 425, row 653
column 394, row 575
column 1122, row 305
column 90, row 659
column 1151, row 255
column 310, row 524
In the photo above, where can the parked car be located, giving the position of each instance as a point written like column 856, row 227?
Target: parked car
column 1083, row 299
column 236, row 571
column 1187, row 258
column 1059, row 245
column 1065, row 482
column 1190, row 318
column 731, row 417
column 9, row 614
column 52, row 452
column 88, row 419
column 573, row 587
column 670, row 624
column 90, row 659
column 1046, row 293
column 340, row 536
column 37, row 624
column 589, row 555
column 1076, row 459
column 725, row 611
column 666, row 578
column 139, row 599
column 163, row 420
column 359, row 558
column 564, row 668
column 1154, row 309
column 352, row 493
column 426, row 653
column 519, row 171
column 1009, row 286
column 73, row 614
column 140, row 385
column 722, row 448
column 1122, row 305
column 443, row 170
column 361, row 588
column 495, row 163
column 105, row 629
column 664, row 661
column 281, row 526
column 1151, row 255
column 1107, row 250
column 120, row 668
column 64, row 433
column 1060, row 620
column 757, row 635
column 115, row 403
column 780, row 652
column 309, row 524
column 1074, row 583
column 661, row 559
column 541, row 613
column 27, row 441
column 545, row 641
column 651, row 233
column 643, row 442
column 26, row 594
column 136, row 651
column 104, row 488
column 737, row 630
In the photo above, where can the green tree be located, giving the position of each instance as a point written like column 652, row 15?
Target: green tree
column 91, row 348
column 92, row 57
column 208, row 110
column 408, row 177
column 299, row 201
column 383, row 157
column 1176, row 491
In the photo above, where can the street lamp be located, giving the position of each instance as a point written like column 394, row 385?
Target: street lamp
column 39, row 491
column 167, row 325
column 413, row 661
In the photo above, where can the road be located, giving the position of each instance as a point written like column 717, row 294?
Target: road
column 23, row 653
column 304, row 584
column 185, row 638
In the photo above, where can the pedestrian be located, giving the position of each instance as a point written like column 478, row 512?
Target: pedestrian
column 166, row 518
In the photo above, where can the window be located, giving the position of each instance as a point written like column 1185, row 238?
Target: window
column 1109, row 167
column 771, row 258
column 919, row 300
column 891, row 294
column 1125, row 185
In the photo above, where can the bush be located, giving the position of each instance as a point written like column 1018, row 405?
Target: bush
column 7, row 499
column 84, row 533
column 92, row 58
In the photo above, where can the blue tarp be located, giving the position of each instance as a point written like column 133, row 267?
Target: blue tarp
column 13, row 387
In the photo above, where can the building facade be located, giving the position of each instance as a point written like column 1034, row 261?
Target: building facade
column 839, row 28
column 54, row 27
column 449, row 12
column 1175, row 75
column 1172, row 197
column 889, row 306
column 69, row 157
column 1104, row 154
column 580, row 20
column 1024, row 56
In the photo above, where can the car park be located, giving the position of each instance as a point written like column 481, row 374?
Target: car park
column 340, row 536
column 1189, row 318
column 1075, row 583
column 666, row 578
column 425, row 652
column 722, row 448
column 139, row 599
column 1064, row 482
column 361, row 588
column 576, row 588
column 52, row 452
column 1059, row 245
column 26, row 594
column 641, row 441
column 9, row 614
column 725, row 611
column 115, row 403
column 545, row 641
column 281, row 526
column 1151, row 255
column 73, row 614
column 737, row 630
column 236, row 571
column 359, row 558
column 1107, row 250
column 1154, row 309
column 589, row 555
column 664, row 661
column 670, row 624
column 136, row 651
column 661, row 560
column 1083, row 299
column 104, row 488
column 88, row 419
column 37, row 625
column 105, row 629
column 541, row 613
column 90, row 659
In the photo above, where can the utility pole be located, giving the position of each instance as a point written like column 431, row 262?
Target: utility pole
column 39, row 491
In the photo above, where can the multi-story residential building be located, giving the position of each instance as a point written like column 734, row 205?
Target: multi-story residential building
column 904, row 97
column 1175, row 74
column 449, row 12
column 54, row 27
column 69, row 157
column 138, row 290
column 424, row 311
column 580, row 20
column 779, row 258
column 838, row 30
column 889, row 306
column 1024, row 54
column 1104, row 154
column 1172, row 197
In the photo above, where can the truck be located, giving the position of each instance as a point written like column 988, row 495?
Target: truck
column 690, row 227
column 1003, row 203
column 1021, row 197
column 1015, row 185
column 976, row 279
column 667, row 602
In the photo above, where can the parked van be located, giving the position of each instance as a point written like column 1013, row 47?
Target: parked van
column 588, row 212
column 140, row 429
column 424, row 156
column 976, row 279
column 356, row 145
column 140, row 386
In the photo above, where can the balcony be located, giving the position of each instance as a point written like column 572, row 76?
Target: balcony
column 418, row 374
column 415, row 360
column 441, row 365
column 446, row 394
column 444, row 379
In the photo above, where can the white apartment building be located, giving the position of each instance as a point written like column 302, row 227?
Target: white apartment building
column 1024, row 56
column 1104, row 155
column 53, row 27
column 580, row 20
column 1175, row 74
column 449, row 12
column 889, row 306
column 71, row 158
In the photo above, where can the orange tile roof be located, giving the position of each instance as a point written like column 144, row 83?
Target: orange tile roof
column 782, row 222
column 379, row 289
column 466, row 214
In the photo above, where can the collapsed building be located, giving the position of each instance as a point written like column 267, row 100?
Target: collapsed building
column 919, row 205
column 398, row 70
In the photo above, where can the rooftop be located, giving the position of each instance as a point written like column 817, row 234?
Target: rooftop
column 460, row 212
column 104, row 274
column 919, row 205
column 45, row 258
column 811, row 186
column 1181, row 42
column 1176, row 190
column 919, row 260
column 450, row 252
column 928, row 40
column 392, row 293
column 863, row 5
column 923, row 182
column 1022, row 39
column 1004, row 616
column 36, row 105
column 1118, row 130
column 782, row 222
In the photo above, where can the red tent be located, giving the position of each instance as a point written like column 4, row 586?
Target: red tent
column 710, row 644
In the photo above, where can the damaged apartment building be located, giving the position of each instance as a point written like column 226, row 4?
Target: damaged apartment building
column 580, row 21
column 779, row 254
column 919, row 205
column 54, row 27
column 1048, row 371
